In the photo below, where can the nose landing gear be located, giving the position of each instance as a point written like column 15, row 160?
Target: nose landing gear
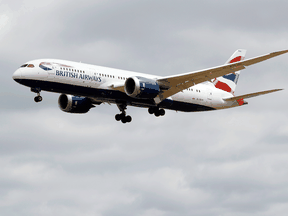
column 38, row 98
column 122, row 116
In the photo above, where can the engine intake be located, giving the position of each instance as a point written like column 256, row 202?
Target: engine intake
column 74, row 104
column 140, row 87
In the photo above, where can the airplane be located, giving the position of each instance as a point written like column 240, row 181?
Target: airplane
column 82, row 86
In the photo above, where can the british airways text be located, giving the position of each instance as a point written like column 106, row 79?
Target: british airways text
column 77, row 76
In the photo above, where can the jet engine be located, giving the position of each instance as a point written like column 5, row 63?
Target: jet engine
column 140, row 87
column 74, row 104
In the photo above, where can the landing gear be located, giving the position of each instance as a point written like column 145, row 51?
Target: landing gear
column 156, row 111
column 124, row 119
column 38, row 98
column 122, row 116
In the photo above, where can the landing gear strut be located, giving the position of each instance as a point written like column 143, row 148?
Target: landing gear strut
column 156, row 111
column 122, row 116
column 38, row 98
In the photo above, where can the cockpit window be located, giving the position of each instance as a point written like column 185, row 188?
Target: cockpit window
column 30, row 66
column 25, row 65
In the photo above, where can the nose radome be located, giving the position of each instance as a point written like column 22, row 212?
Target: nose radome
column 17, row 74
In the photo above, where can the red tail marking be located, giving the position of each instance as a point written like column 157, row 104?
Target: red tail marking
column 236, row 59
column 223, row 86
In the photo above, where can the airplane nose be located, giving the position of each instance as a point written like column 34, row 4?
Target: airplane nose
column 17, row 74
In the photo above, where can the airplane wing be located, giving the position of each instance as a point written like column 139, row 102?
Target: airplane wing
column 174, row 84
column 251, row 95
column 117, row 86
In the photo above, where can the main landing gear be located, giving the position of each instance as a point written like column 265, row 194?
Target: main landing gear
column 38, row 98
column 156, row 111
column 122, row 116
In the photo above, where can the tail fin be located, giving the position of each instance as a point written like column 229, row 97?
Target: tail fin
column 228, row 82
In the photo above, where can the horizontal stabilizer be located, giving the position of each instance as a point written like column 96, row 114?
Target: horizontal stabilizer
column 250, row 95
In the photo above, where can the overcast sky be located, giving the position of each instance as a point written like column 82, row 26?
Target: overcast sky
column 228, row 162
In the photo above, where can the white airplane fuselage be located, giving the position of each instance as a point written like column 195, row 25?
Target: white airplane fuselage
column 98, row 84
column 82, row 86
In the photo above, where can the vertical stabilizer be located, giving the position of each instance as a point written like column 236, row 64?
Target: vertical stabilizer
column 228, row 82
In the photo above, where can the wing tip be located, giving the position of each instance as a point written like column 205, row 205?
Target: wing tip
column 279, row 89
column 280, row 52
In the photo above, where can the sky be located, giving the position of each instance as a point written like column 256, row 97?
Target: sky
column 217, row 163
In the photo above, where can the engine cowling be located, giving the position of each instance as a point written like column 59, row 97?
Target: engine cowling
column 73, row 104
column 140, row 87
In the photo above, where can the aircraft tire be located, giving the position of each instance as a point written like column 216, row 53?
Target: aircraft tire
column 157, row 113
column 162, row 112
column 151, row 110
column 117, row 117
column 128, row 118
column 38, row 99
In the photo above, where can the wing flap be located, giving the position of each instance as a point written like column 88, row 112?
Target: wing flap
column 251, row 95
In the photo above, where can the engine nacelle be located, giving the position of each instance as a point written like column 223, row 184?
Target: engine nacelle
column 140, row 87
column 73, row 104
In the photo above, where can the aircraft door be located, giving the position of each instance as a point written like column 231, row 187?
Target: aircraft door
column 209, row 97
column 51, row 73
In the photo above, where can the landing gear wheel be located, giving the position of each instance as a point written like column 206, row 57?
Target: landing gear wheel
column 162, row 112
column 38, row 99
column 157, row 113
column 151, row 110
column 118, row 117
column 123, row 120
column 128, row 118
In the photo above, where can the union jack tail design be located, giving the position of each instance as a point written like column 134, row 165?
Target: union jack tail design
column 228, row 82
